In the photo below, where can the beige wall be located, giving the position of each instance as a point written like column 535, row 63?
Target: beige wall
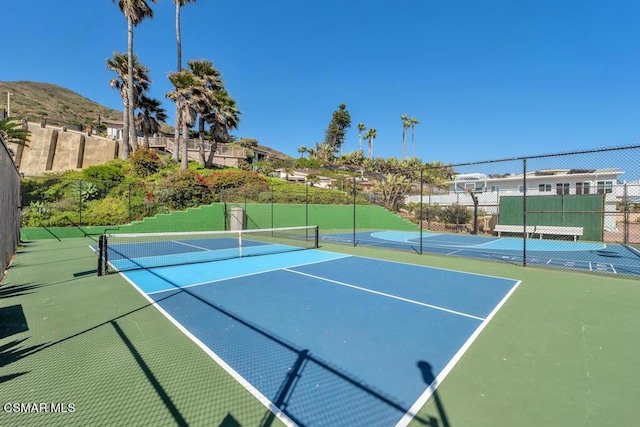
column 55, row 150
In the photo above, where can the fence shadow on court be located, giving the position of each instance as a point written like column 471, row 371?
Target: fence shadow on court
column 306, row 389
column 430, row 380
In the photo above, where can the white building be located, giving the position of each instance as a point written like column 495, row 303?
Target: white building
column 114, row 128
column 306, row 176
column 542, row 182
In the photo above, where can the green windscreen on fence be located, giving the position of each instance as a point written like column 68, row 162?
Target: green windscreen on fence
column 586, row 211
column 327, row 217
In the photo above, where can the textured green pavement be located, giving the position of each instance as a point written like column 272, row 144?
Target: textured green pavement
column 96, row 343
column 561, row 352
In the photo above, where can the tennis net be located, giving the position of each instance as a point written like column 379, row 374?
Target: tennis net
column 123, row 252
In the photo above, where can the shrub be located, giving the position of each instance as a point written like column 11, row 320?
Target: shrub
column 455, row 214
column 145, row 162
column 429, row 212
column 105, row 176
column 184, row 189
column 107, row 211
column 304, row 163
column 110, row 172
column 224, row 179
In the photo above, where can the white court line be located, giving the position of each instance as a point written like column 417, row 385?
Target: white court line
column 190, row 245
column 435, row 307
column 220, row 361
column 430, row 267
column 415, row 408
column 243, row 275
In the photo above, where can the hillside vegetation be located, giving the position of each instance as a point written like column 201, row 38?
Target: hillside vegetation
column 60, row 106
column 119, row 192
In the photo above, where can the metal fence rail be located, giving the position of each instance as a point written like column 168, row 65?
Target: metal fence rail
column 519, row 210
column 9, row 207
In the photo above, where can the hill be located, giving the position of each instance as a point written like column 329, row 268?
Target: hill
column 60, row 106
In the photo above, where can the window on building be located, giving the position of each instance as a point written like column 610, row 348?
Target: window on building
column 495, row 188
column 521, row 189
column 562, row 188
column 544, row 187
column 583, row 187
column 604, row 187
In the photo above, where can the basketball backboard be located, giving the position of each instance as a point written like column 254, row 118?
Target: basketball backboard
column 474, row 182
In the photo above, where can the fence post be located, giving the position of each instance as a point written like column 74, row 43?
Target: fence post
column 129, row 202
column 421, row 212
column 429, row 210
column 354, row 211
column 80, row 198
column 524, row 212
column 625, row 215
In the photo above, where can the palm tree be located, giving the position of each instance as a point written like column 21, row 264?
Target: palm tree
column 179, row 4
column 14, row 130
column 183, row 83
column 405, row 126
column 135, row 11
column 224, row 117
column 204, row 96
column 150, row 115
column 361, row 128
column 311, row 152
column 302, row 149
column 413, row 122
column 371, row 135
column 120, row 65
column 324, row 151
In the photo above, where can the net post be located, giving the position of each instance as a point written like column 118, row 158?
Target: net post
column 317, row 237
column 100, row 255
column 240, row 243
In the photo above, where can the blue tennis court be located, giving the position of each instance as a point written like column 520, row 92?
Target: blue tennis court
column 586, row 256
column 322, row 338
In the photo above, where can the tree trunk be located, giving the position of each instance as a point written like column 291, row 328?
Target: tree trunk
column 125, row 130
column 404, row 143
column 184, row 164
column 145, row 131
column 201, row 159
column 176, row 139
column 132, row 102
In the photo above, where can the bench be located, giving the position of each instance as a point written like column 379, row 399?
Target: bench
column 556, row 230
column 500, row 228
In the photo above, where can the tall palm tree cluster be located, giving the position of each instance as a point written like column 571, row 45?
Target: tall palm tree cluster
column 407, row 122
column 198, row 93
column 202, row 98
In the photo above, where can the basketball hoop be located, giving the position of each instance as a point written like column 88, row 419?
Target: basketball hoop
column 471, row 183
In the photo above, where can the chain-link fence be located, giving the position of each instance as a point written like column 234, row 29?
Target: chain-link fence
column 578, row 210
column 9, row 207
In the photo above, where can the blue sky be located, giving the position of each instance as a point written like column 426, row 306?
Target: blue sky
column 487, row 80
